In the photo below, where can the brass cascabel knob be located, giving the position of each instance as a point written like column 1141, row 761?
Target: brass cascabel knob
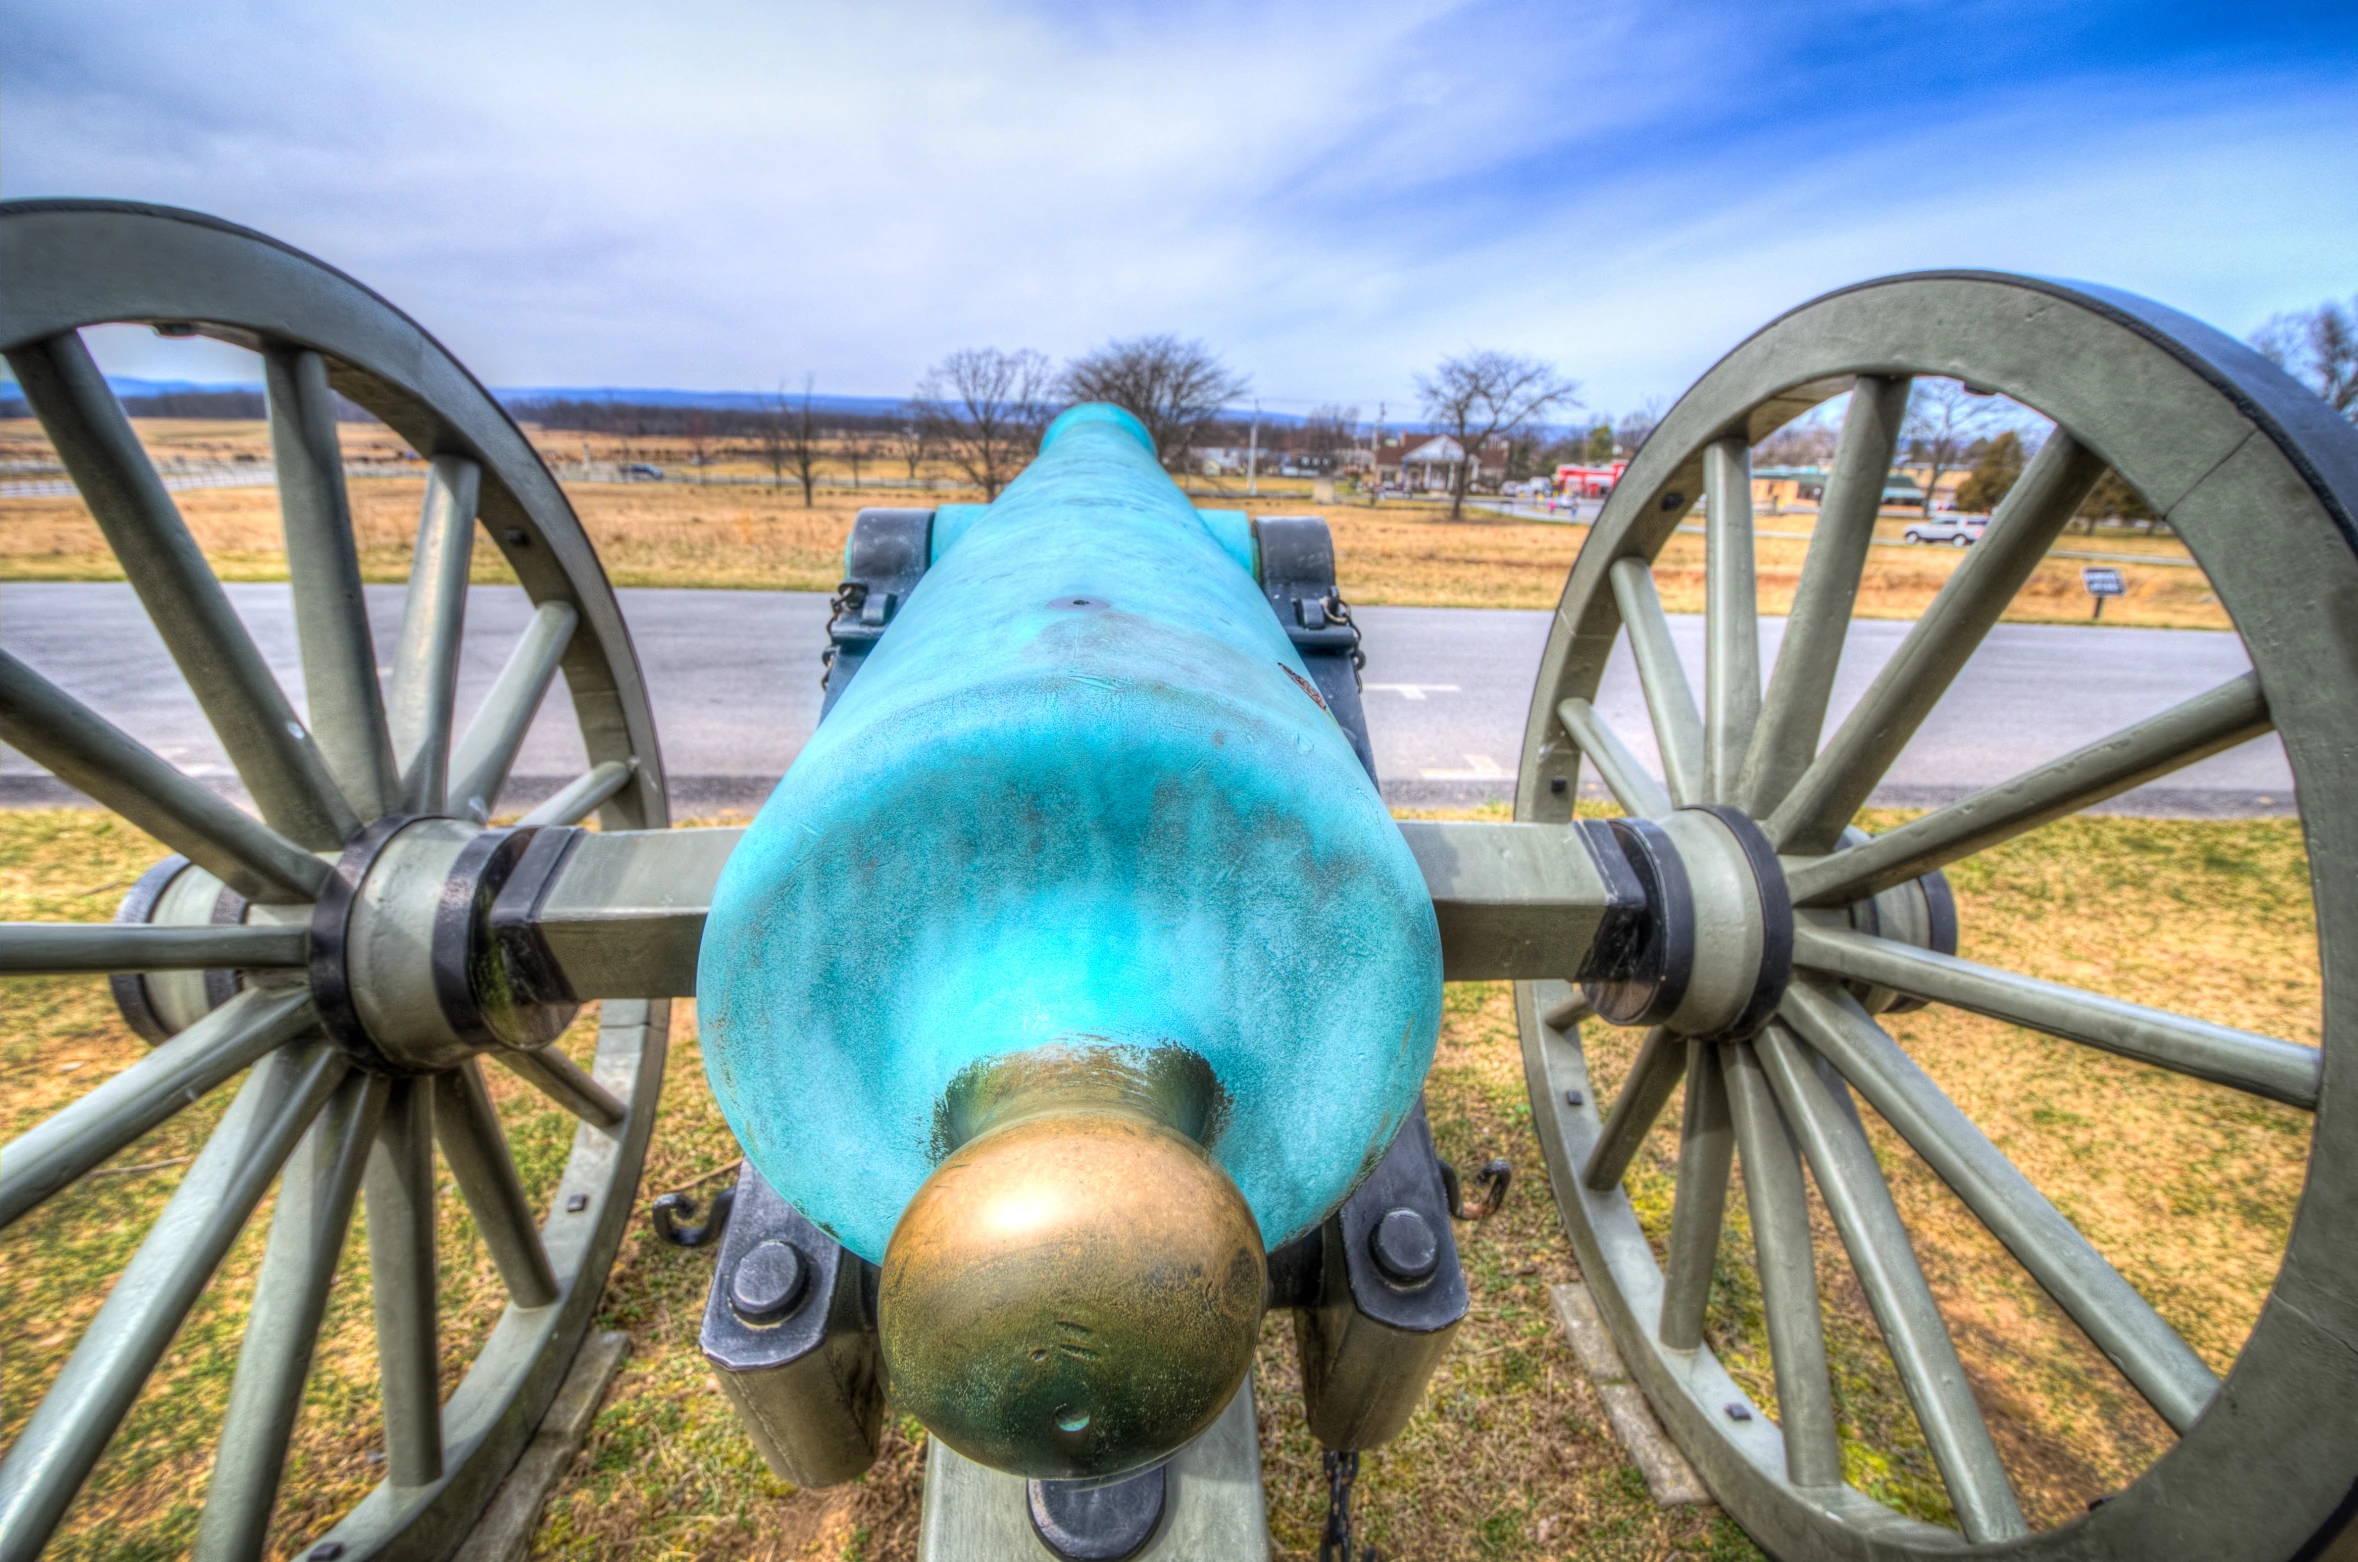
column 1075, row 1292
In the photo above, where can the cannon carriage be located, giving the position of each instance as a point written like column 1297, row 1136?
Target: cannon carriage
column 361, row 950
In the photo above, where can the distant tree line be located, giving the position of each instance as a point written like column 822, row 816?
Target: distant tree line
column 664, row 420
column 227, row 406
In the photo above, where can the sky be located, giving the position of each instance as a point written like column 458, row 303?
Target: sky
column 736, row 194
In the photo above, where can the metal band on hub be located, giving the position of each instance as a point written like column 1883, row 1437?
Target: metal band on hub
column 1640, row 977
column 406, row 1016
column 1776, row 923
column 1713, row 952
column 331, row 930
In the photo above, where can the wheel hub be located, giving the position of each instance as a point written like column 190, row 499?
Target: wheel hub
column 406, row 970
column 1714, row 953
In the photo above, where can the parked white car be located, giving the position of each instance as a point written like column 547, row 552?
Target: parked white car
column 1958, row 531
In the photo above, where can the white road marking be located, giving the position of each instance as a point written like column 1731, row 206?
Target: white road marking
column 1417, row 691
column 1482, row 768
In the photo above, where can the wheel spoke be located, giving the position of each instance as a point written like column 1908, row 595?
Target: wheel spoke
column 582, row 794
column 1706, row 1147
column 1638, row 793
column 488, row 751
column 275, row 757
column 1670, row 701
column 54, row 1453
column 94, row 757
column 400, row 1186
column 2234, row 712
column 1731, row 624
column 566, row 1083
column 65, row 948
column 1885, row 1262
column 1830, row 791
column 1568, row 1011
column 307, row 1231
column 1661, row 1060
column 425, row 666
column 175, row 1074
column 2280, row 1070
column 1793, row 715
column 2122, row 1323
column 323, row 565
column 467, row 1124
column 1787, row 1258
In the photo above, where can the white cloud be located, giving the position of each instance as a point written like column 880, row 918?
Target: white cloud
column 1332, row 195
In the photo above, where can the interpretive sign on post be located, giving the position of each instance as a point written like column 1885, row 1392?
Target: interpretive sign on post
column 2102, row 581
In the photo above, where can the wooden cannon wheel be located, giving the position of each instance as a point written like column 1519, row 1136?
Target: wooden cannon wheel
column 349, row 1083
column 2260, row 479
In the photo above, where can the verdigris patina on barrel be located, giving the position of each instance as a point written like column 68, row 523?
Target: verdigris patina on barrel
column 1084, row 798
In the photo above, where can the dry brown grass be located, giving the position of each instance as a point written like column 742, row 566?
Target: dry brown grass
column 668, row 535
column 742, row 536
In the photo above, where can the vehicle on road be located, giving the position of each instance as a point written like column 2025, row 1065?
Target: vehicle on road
column 1958, row 531
column 641, row 470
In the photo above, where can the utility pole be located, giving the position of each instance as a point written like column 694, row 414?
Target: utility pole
column 1375, row 460
column 1253, row 453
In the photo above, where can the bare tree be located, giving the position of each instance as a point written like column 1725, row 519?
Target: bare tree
column 855, row 445
column 911, row 438
column 1943, row 420
column 1806, row 441
column 2318, row 347
column 1484, row 394
column 985, row 409
column 1330, row 430
column 699, row 434
column 1631, row 432
column 790, row 439
column 1175, row 388
column 769, row 432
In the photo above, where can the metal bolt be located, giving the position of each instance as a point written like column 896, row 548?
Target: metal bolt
column 768, row 1283
column 576, row 1204
column 1739, row 1411
column 327, row 1551
column 1405, row 1247
column 1573, row 1098
column 1558, row 785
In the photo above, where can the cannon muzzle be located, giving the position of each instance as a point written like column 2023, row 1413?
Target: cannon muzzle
column 1075, row 1292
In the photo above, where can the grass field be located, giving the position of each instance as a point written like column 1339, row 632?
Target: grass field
column 2188, row 1188
column 753, row 537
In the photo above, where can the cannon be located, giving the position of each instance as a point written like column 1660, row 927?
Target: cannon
column 1073, row 995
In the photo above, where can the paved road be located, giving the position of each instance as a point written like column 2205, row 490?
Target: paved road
column 735, row 680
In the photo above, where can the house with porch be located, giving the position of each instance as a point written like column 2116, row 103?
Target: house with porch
column 1429, row 463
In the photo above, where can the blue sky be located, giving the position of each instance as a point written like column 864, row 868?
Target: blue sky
column 735, row 194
